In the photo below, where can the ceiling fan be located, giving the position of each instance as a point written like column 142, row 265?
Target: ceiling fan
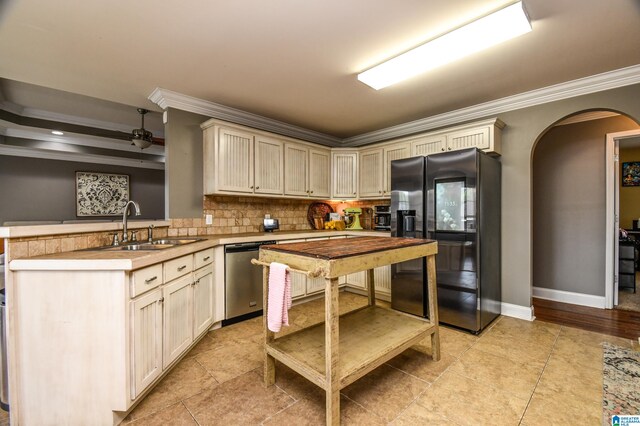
column 141, row 137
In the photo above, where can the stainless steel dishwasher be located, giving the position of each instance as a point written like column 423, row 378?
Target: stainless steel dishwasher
column 243, row 282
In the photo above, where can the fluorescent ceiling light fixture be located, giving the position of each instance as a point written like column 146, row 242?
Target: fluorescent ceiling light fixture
column 57, row 132
column 488, row 31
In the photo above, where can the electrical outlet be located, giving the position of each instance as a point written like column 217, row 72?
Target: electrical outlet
column 267, row 216
column 208, row 219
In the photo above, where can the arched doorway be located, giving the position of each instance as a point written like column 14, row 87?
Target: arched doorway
column 569, row 207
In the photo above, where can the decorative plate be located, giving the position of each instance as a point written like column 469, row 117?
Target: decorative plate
column 318, row 210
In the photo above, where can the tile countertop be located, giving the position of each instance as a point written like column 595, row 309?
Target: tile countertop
column 129, row 260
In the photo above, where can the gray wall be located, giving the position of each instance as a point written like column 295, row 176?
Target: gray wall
column 569, row 206
column 524, row 127
column 38, row 189
column 183, row 156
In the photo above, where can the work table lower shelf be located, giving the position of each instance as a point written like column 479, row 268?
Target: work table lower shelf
column 368, row 337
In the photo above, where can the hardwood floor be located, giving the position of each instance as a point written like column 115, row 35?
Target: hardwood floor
column 614, row 322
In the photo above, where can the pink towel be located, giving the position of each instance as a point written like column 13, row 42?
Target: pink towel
column 279, row 298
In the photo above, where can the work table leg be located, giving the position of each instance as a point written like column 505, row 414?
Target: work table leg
column 371, row 287
column 269, row 361
column 433, row 306
column 332, row 337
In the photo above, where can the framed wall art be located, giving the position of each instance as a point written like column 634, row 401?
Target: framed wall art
column 101, row 194
column 631, row 173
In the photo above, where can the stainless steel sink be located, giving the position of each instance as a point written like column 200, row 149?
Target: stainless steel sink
column 175, row 241
column 161, row 244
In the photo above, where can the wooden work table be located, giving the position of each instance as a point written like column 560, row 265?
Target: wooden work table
column 344, row 348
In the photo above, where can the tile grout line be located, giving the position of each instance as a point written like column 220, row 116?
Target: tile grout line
column 540, row 377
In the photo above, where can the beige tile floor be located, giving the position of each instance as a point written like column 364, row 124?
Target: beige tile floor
column 515, row 373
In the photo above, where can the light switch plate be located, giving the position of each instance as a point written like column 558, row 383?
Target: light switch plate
column 208, row 219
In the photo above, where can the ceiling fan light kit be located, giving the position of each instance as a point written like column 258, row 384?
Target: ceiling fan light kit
column 140, row 137
column 480, row 34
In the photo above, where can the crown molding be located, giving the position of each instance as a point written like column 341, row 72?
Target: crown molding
column 587, row 116
column 596, row 83
column 168, row 99
column 18, row 151
column 570, row 89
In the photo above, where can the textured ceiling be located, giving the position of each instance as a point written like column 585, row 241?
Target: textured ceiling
column 296, row 61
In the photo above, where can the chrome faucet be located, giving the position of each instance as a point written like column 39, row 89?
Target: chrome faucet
column 135, row 205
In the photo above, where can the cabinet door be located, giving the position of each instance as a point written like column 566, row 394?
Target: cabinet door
column 268, row 176
column 428, row 145
column 146, row 344
column 396, row 152
column 178, row 318
column 371, row 173
column 345, row 175
column 319, row 173
column 202, row 300
column 296, row 169
column 471, row 138
column 234, row 161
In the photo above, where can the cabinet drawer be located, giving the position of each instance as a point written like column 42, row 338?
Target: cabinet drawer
column 178, row 267
column 203, row 258
column 146, row 279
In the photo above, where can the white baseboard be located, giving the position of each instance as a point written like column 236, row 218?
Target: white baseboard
column 569, row 297
column 517, row 311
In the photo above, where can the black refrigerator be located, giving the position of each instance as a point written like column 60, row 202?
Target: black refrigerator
column 454, row 198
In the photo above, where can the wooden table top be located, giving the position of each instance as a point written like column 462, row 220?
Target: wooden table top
column 341, row 248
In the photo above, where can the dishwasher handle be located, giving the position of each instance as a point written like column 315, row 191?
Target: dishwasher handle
column 236, row 248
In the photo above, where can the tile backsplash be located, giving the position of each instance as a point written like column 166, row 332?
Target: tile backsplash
column 244, row 214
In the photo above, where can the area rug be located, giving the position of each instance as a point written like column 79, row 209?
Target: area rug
column 629, row 301
column 621, row 385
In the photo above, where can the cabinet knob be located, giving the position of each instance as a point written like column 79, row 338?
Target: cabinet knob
column 181, row 268
column 449, row 148
column 161, row 300
column 312, row 192
column 379, row 192
column 251, row 187
column 354, row 193
column 441, row 149
column 257, row 187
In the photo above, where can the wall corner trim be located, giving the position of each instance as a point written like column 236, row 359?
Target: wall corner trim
column 569, row 297
column 517, row 311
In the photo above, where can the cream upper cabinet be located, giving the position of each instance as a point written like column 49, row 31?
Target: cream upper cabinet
column 371, row 173
column 306, row 171
column 485, row 135
column 268, row 170
column 344, row 166
column 296, row 170
column 234, row 161
column 240, row 162
column 393, row 152
column 319, row 173
column 426, row 145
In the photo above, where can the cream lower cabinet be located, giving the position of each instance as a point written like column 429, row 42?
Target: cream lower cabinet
column 177, row 318
column 146, row 341
column 203, row 296
column 167, row 320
